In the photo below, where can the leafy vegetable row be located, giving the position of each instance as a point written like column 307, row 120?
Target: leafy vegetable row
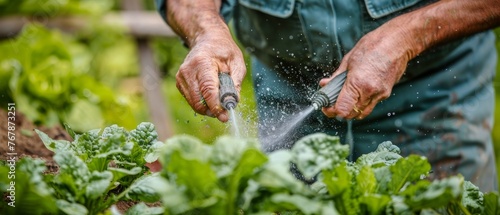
column 96, row 170
column 54, row 77
column 232, row 176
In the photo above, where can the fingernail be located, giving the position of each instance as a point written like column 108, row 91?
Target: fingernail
column 223, row 117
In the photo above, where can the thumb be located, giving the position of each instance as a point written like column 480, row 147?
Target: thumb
column 342, row 68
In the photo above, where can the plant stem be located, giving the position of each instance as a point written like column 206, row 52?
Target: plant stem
column 463, row 209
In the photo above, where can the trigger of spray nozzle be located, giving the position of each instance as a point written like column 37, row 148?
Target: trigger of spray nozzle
column 328, row 94
column 227, row 92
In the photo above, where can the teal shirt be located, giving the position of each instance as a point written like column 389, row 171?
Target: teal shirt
column 442, row 108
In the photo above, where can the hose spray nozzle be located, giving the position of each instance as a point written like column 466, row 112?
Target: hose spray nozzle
column 227, row 93
column 327, row 95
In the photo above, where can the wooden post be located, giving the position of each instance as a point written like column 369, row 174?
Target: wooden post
column 151, row 81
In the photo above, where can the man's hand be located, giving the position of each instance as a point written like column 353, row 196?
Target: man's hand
column 374, row 65
column 379, row 59
column 212, row 51
column 198, row 79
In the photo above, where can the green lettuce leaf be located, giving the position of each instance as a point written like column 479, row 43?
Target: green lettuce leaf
column 408, row 170
column 316, row 152
column 30, row 189
column 143, row 209
column 435, row 194
column 491, row 203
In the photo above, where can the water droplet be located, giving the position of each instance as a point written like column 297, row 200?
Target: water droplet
column 411, row 105
column 290, row 37
column 388, row 114
column 268, row 89
column 398, row 123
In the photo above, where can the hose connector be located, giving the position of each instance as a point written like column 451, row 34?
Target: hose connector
column 227, row 92
column 327, row 95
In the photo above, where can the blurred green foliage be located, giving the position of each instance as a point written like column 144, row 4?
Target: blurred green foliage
column 49, row 8
column 496, row 127
column 77, row 79
column 52, row 79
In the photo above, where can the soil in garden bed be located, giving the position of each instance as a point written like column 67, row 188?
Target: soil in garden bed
column 27, row 142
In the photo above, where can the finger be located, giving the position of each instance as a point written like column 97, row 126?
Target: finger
column 325, row 81
column 192, row 95
column 342, row 67
column 329, row 111
column 370, row 105
column 361, row 108
column 237, row 71
column 347, row 100
column 366, row 110
column 209, row 88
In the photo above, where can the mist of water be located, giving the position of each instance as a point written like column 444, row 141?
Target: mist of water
column 279, row 137
column 235, row 121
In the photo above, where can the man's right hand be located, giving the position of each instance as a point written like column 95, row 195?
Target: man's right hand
column 212, row 51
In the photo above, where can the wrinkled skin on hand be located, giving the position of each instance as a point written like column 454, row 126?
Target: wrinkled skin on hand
column 374, row 65
column 197, row 78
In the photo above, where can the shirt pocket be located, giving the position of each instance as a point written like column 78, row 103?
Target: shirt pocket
column 271, row 29
column 377, row 12
column 281, row 9
column 380, row 8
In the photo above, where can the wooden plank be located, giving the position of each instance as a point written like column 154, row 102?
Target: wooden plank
column 140, row 24
column 146, row 24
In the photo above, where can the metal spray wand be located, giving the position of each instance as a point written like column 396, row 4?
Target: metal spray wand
column 227, row 93
column 327, row 95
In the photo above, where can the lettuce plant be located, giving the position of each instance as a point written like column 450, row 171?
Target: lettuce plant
column 233, row 177
column 99, row 168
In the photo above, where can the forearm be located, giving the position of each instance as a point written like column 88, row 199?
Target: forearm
column 444, row 21
column 194, row 19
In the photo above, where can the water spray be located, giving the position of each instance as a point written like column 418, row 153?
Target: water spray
column 327, row 95
column 227, row 93
column 228, row 97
